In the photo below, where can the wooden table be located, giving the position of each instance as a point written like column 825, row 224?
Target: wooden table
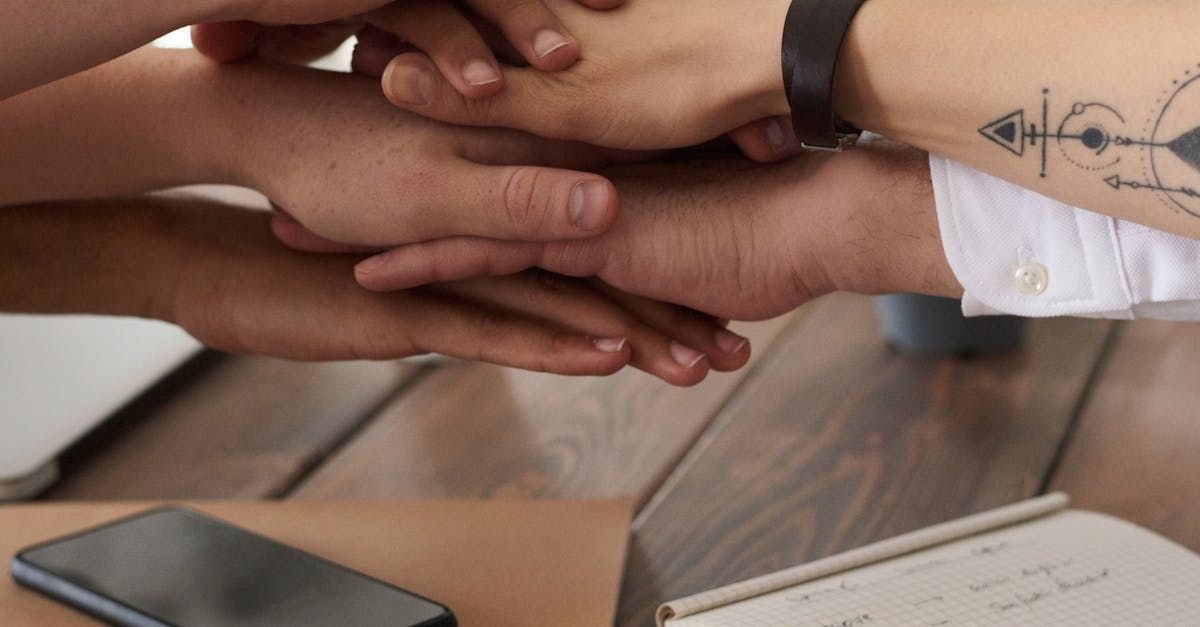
column 826, row 442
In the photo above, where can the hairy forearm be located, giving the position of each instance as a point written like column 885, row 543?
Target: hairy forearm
column 144, row 121
column 115, row 257
column 1093, row 103
column 43, row 40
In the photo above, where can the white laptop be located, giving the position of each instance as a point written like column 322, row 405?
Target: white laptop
column 62, row 375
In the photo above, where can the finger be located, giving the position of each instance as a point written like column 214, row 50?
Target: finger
column 533, row 30
column 525, row 203
column 576, row 306
column 412, row 82
column 294, row 235
column 726, row 351
column 460, row 258
column 445, row 260
column 521, row 203
column 226, row 42
column 444, row 324
column 449, row 39
column 768, row 141
column 374, row 50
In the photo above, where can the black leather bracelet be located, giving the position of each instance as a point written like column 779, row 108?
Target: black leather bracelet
column 812, row 41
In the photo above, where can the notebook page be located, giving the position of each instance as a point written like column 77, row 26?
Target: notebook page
column 891, row 548
column 1072, row 568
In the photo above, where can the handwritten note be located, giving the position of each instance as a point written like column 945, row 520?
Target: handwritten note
column 1071, row 568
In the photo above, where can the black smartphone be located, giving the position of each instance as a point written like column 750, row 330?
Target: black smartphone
column 175, row 566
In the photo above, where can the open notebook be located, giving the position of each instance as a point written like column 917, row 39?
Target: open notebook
column 1033, row 563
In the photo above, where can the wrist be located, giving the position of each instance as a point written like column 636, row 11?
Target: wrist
column 108, row 257
column 754, row 59
column 880, row 234
column 213, row 122
column 872, row 61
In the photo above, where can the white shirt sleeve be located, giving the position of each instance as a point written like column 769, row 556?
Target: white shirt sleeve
column 1018, row 252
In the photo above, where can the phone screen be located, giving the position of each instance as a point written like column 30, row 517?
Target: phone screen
column 178, row 567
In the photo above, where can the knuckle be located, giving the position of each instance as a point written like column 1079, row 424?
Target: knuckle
column 593, row 120
column 478, row 109
column 526, row 200
column 489, row 328
column 571, row 258
column 557, row 343
column 436, row 266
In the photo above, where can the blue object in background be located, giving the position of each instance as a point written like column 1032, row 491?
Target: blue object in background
column 935, row 327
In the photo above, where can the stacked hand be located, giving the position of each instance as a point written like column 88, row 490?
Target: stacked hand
column 721, row 236
column 503, row 243
column 240, row 291
column 339, row 160
column 664, row 91
column 451, row 35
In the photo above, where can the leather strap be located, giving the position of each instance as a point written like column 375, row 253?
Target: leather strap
column 812, row 40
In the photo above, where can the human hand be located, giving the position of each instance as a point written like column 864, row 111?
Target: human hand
column 729, row 238
column 329, row 149
column 439, row 28
column 652, row 76
column 239, row 290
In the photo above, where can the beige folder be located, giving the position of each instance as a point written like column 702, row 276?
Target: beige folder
column 495, row 563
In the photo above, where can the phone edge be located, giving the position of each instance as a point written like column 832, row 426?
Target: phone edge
column 77, row 597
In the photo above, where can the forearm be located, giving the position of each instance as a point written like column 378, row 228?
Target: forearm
column 1086, row 102
column 115, row 257
column 43, row 40
column 146, row 121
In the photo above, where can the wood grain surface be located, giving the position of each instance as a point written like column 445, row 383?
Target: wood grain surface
column 479, row 431
column 838, row 442
column 827, row 442
column 1136, row 451
column 236, row 427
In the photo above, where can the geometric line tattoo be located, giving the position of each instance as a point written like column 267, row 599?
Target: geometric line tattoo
column 1095, row 137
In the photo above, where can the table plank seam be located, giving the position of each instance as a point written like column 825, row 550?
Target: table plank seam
column 1111, row 340
column 722, row 417
column 132, row 413
column 349, row 435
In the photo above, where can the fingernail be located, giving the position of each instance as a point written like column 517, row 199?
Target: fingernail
column 730, row 342
column 684, row 356
column 480, row 72
column 370, row 264
column 609, row 344
column 546, row 41
column 776, row 135
column 409, row 84
column 589, row 205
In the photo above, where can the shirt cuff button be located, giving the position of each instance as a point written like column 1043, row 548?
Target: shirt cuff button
column 1031, row 279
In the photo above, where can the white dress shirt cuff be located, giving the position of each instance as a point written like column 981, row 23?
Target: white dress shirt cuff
column 1018, row 252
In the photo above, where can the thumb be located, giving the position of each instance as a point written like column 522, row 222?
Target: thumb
column 767, row 140
column 226, row 42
